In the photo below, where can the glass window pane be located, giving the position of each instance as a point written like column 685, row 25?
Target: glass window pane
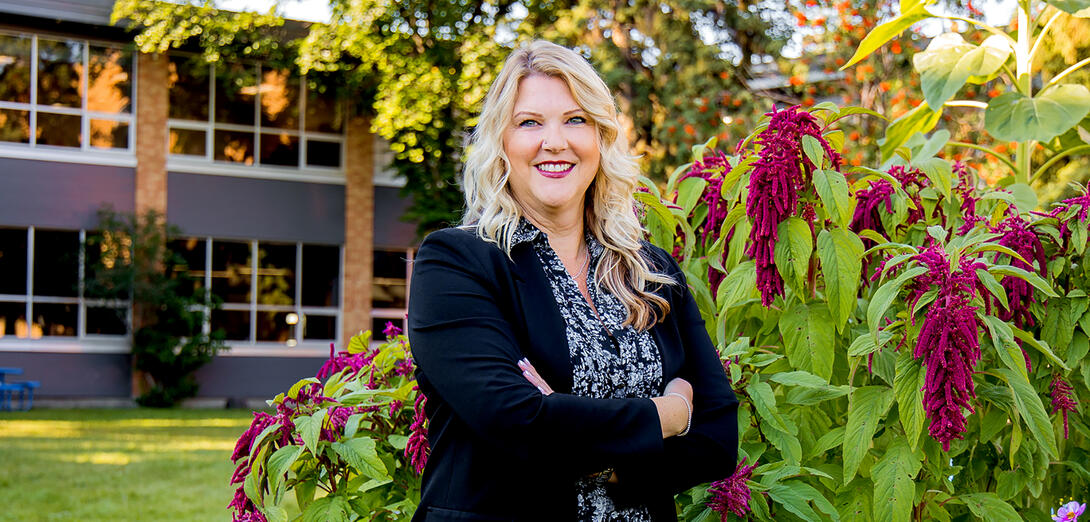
column 15, row 68
column 188, row 83
column 189, row 261
column 54, row 319
column 14, row 125
column 324, row 112
column 60, row 65
column 319, row 327
column 187, row 141
column 105, row 253
column 56, row 263
column 231, row 271
column 61, row 130
column 276, row 274
column 323, row 153
column 234, row 323
column 13, row 261
column 279, row 99
column 234, row 146
column 391, row 264
column 106, row 321
column 273, row 326
column 280, row 149
column 109, row 85
column 109, row 134
column 388, row 293
column 236, row 87
column 321, row 273
column 13, row 320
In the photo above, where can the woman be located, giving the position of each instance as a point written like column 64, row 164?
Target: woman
column 567, row 369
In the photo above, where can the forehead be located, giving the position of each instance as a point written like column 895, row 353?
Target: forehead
column 540, row 93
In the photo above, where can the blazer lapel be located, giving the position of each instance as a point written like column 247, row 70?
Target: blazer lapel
column 544, row 339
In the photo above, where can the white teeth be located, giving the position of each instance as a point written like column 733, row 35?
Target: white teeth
column 554, row 167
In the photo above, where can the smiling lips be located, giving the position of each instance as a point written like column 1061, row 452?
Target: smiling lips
column 554, row 169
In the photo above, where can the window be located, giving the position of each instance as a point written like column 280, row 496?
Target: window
column 252, row 115
column 57, row 92
column 389, row 290
column 44, row 282
column 270, row 292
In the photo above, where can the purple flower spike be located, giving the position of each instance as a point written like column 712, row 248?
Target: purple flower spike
column 417, row 448
column 1018, row 237
column 1069, row 512
column 731, row 495
column 391, row 330
column 1063, row 400
column 779, row 175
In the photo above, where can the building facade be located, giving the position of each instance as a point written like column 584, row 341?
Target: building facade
column 287, row 210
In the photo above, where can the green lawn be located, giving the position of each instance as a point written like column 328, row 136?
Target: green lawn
column 118, row 465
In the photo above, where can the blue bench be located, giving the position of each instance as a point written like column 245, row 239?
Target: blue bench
column 25, row 389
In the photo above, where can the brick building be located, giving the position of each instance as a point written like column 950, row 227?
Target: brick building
column 288, row 212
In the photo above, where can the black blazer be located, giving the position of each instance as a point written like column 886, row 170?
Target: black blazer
column 500, row 450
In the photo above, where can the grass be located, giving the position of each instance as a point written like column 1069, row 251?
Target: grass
column 139, row 464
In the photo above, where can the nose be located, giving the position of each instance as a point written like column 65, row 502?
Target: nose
column 554, row 139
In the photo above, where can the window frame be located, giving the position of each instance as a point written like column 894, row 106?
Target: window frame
column 85, row 153
column 395, row 315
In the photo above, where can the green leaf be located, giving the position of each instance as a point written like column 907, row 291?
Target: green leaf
column 1015, row 117
column 811, row 396
column 310, row 426
column 813, row 150
column 275, row 514
column 809, row 338
column 360, row 453
column 854, row 504
column 940, row 68
column 992, row 284
column 1025, row 196
column 988, row 507
column 788, row 444
column 1072, row 6
column 939, row 172
column 1009, row 484
column 293, row 392
column 689, row 192
column 868, row 404
column 832, row 188
column 918, row 120
column 795, row 496
column 884, row 296
column 841, row 253
column 280, row 462
column 793, row 250
column 1043, row 347
column 1029, row 406
column 894, row 482
column 1029, row 277
column 984, row 61
column 327, row 509
column 864, row 344
column 828, row 441
column 887, row 31
column 908, row 386
column 799, row 378
column 764, row 400
column 398, row 441
column 739, row 286
column 1003, row 340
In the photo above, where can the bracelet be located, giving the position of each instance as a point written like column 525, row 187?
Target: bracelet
column 688, row 406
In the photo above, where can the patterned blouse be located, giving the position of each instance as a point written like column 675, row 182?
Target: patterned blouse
column 608, row 360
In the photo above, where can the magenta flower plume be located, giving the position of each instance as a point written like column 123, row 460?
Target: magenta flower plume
column 711, row 169
column 1069, row 512
column 391, row 330
column 870, row 202
column 966, row 190
column 948, row 343
column 780, row 173
column 1017, row 236
column 343, row 359
column 731, row 495
column 417, row 449
column 244, row 509
column 1063, row 399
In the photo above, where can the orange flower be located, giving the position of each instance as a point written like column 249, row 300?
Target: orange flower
column 800, row 19
column 854, row 136
column 689, row 129
column 914, row 102
column 884, row 86
column 994, row 92
column 808, row 102
column 737, row 103
column 896, row 47
column 702, row 108
column 795, row 80
column 671, row 129
column 1001, row 148
column 723, row 75
column 839, row 61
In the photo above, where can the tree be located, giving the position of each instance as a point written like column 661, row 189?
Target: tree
column 422, row 67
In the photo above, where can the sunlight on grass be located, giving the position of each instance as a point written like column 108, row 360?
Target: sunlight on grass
column 118, row 464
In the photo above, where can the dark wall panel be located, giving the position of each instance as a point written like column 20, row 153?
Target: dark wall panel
column 254, row 377
column 73, row 374
column 247, row 208
column 390, row 231
column 61, row 195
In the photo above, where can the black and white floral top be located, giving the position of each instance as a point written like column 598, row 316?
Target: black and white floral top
column 608, row 360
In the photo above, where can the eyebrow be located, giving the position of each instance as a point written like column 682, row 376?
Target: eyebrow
column 539, row 115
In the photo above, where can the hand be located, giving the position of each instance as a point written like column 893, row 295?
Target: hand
column 531, row 375
column 673, row 414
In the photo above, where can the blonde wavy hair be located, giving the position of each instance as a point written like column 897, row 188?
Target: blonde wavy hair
column 491, row 207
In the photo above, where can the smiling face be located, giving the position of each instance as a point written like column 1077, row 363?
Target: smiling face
column 552, row 147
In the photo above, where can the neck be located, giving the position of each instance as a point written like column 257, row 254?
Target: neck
column 565, row 231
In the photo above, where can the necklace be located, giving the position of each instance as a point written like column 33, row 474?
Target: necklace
column 586, row 264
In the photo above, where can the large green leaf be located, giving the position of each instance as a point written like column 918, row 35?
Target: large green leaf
column 280, row 462
column 793, row 249
column 921, row 119
column 689, row 192
column 841, row 253
column 1015, row 117
column 894, row 482
column 796, row 495
column 310, row 427
column 989, row 508
column 1003, row 341
column 1075, row 7
column 808, row 337
column 939, row 171
column 889, row 30
column 908, row 386
column 832, row 188
column 360, row 453
column 739, row 286
column 800, row 378
column 328, row 509
column 884, row 296
column 854, row 504
column 938, row 65
column 764, row 401
column 1029, row 406
column 868, row 404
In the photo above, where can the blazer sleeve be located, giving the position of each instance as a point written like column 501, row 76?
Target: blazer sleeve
column 467, row 351
column 710, row 450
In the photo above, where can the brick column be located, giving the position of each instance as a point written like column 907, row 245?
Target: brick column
column 151, row 133
column 359, row 232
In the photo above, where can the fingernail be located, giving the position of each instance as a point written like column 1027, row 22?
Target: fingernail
column 526, row 374
column 540, row 389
